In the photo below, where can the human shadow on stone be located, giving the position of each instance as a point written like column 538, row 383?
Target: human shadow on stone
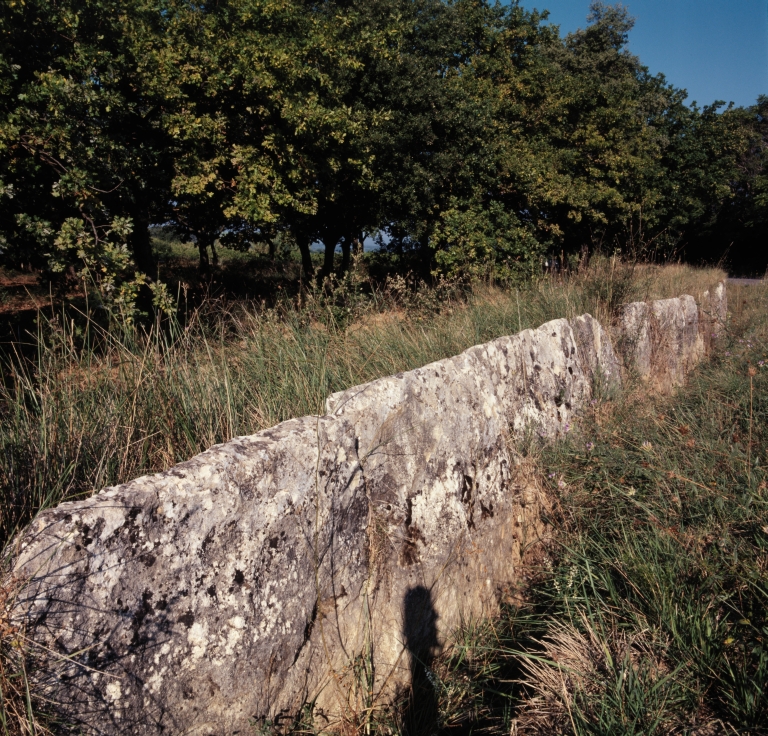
column 420, row 635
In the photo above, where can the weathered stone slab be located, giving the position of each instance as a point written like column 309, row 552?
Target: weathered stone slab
column 260, row 574
column 713, row 311
column 719, row 301
column 676, row 345
column 445, row 494
column 596, row 356
column 182, row 602
column 635, row 338
column 662, row 341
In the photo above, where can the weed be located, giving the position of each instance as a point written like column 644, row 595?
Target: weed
column 662, row 627
column 20, row 709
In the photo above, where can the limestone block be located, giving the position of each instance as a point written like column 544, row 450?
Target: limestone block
column 635, row 338
column 184, row 602
column 250, row 579
column 668, row 326
column 664, row 340
column 598, row 361
column 713, row 312
column 446, row 498
column 676, row 344
column 707, row 321
column 715, row 308
column 693, row 345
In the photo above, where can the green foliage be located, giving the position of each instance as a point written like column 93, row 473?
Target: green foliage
column 80, row 147
column 737, row 219
column 483, row 240
column 259, row 114
column 470, row 133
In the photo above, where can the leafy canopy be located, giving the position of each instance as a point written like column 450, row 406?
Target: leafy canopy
column 472, row 134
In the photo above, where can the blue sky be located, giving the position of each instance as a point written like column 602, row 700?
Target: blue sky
column 716, row 49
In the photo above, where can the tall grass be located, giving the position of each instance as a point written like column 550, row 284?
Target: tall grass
column 650, row 614
column 661, row 594
column 82, row 407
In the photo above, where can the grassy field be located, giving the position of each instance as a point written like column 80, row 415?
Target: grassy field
column 650, row 612
column 82, row 408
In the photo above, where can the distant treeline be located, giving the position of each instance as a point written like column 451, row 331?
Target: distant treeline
column 472, row 134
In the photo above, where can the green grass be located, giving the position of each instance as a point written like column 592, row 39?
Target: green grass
column 82, row 408
column 650, row 614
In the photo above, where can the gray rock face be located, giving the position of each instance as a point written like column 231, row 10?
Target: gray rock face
column 635, row 338
column 598, row 361
column 184, row 600
column 260, row 574
column 676, row 344
column 719, row 307
column 449, row 510
column 713, row 312
column 662, row 341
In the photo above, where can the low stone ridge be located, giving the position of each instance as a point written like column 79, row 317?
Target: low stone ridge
column 257, row 576
column 663, row 340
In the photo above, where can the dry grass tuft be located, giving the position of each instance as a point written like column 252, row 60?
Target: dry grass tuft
column 574, row 672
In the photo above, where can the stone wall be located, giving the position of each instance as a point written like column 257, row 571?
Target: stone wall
column 662, row 341
column 317, row 560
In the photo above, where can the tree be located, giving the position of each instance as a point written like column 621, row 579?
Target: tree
column 728, row 179
column 81, row 148
column 268, row 131
column 497, row 222
column 471, row 133
column 444, row 149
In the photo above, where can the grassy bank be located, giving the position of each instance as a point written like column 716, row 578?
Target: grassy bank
column 650, row 613
column 82, row 408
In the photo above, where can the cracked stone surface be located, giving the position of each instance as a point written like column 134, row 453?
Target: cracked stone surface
column 193, row 591
column 598, row 360
column 713, row 313
column 662, row 341
column 238, row 585
column 635, row 338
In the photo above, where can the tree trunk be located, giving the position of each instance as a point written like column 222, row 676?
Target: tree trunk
column 584, row 257
column 306, row 257
column 204, row 267
column 214, row 252
column 141, row 248
column 346, row 249
column 330, row 250
column 205, row 240
column 358, row 244
column 330, row 240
